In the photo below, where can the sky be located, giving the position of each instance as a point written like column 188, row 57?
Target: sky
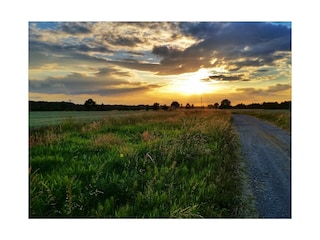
column 134, row 63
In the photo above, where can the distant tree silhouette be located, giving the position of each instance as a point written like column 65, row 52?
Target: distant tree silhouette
column 188, row 106
column 156, row 106
column 240, row 106
column 216, row 105
column 175, row 104
column 165, row 107
column 90, row 105
column 225, row 103
column 90, row 102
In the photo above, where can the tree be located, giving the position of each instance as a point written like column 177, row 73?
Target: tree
column 89, row 102
column 156, row 106
column 175, row 104
column 216, row 105
column 165, row 107
column 188, row 106
column 225, row 104
column 240, row 106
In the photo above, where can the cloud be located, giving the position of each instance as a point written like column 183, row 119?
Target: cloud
column 269, row 90
column 237, row 44
column 102, row 83
column 123, row 41
column 65, row 48
column 256, row 43
column 136, row 53
column 107, row 72
column 278, row 88
column 162, row 51
column 176, row 61
column 187, row 46
column 47, row 53
column 99, row 57
column 76, row 27
column 224, row 77
column 121, row 91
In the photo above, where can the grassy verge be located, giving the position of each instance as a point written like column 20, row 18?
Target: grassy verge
column 280, row 118
column 179, row 164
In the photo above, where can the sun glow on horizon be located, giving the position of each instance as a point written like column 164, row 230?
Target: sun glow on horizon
column 193, row 84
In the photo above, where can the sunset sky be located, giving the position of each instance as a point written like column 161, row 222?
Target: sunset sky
column 146, row 62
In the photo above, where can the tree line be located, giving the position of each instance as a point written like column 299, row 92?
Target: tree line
column 226, row 104
column 90, row 105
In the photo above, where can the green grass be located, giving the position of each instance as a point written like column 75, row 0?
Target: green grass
column 49, row 118
column 280, row 118
column 179, row 164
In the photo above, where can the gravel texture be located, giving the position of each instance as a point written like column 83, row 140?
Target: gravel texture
column 267, row 151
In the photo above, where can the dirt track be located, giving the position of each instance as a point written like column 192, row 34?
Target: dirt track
column 267, row 150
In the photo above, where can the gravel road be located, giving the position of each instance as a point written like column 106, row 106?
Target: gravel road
column 267, row 150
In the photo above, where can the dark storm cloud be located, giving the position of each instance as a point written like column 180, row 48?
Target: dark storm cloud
column 75, row 28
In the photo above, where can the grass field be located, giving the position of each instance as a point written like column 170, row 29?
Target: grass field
column 280, row 118
column 43, row 119
column 179, row 164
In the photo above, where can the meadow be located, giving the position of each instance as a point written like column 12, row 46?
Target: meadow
column 280, row 118
column 156, row 164
column 48, row 118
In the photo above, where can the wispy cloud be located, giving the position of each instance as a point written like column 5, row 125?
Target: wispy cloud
column 262, row 91
column 104, row 82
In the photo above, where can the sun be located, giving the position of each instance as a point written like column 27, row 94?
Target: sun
column 193, row 83
column 192, row 86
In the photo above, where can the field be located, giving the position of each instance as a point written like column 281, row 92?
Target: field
column 175, row 164
column 42, row 119
column 280, row 118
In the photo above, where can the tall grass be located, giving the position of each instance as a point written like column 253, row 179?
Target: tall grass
column 181, row 164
